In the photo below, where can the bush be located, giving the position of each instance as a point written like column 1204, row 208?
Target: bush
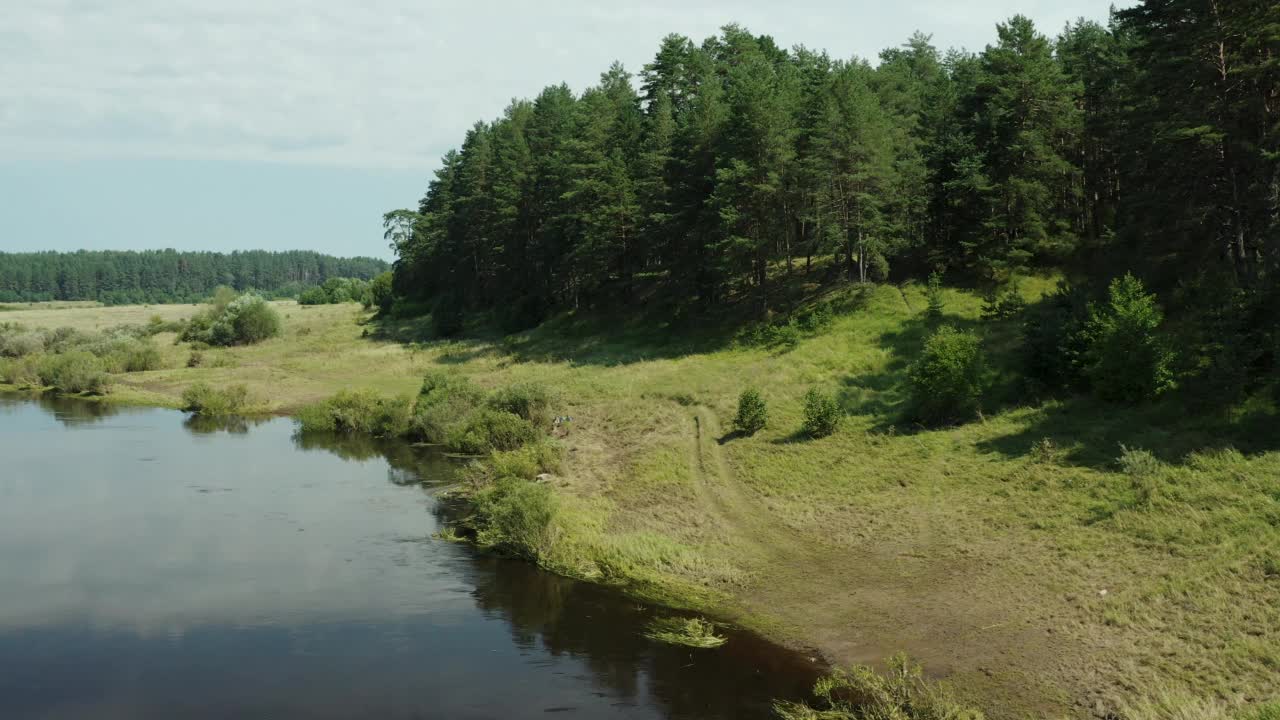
column 133, row 356
column 517, row 516
column 358, row 411
column 488, row 429
column 1055, row 340
column 531, row 401
column 204, row 399
column 933, row 296
column 1003, row 306
column 24, row 372
column 948, row 378
column 16, row 341
column 752, row 415
column 821, row 414
column 196, row 359
column 381, row 292
column 527, row 462
column 243, row 321
column 313, row 296
column 75, row 371
column 444, row 402
column 1127, row 360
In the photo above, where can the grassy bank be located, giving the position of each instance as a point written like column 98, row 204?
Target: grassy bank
column 1057, row 558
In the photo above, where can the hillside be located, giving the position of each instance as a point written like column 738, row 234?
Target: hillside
column 1035, row 556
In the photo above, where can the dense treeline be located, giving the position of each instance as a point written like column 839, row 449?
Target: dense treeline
column 1148, row 144
column 161, row 276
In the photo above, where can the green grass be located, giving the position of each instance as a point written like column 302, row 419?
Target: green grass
column 983, row 549
column 691, row 632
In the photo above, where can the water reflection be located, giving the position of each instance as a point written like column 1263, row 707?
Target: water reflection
column 158, row 568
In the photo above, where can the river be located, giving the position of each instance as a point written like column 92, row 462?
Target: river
column 156, row 567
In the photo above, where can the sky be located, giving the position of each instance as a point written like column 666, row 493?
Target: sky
column 285, row 124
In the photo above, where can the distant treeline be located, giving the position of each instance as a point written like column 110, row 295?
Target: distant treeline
column 165, row 276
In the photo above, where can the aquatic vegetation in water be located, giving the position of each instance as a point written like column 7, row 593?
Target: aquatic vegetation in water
column 692, row 632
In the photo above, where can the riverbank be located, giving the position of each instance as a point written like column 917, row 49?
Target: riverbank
column 1025, row 556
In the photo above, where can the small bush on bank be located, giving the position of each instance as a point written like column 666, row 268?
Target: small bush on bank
column 516, row 516
column 358, row 411
column 23, row 372
column 527, row 462
column 204, row 399
column 948, row 378
column 531, row 401
column 444, row 402
column 488, row 429
column 861, row 693
column 752, row 415
column 75, row 371
column 196, row 359
column 821, row 414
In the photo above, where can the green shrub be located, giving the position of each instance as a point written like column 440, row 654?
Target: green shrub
column 196, row 359
column 444, row 402
column 948, row 378
column 358, row 411
column 1128, row 361
column 245, row 320
column 313, row 296
column 527, row 462
column 1003, row 306
column 135, row 356
column 1055, row 340
column 381, row 292
column 75, row 371
column 204, row 399
column 531, row 401
column 488, row 429
column 752, row 415
column 822, row 414
column 23, row 372
column 860, row 693
column 16, row 341
column 933, row 296
column 516, row 516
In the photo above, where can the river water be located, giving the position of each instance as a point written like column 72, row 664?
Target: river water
column 152, row 567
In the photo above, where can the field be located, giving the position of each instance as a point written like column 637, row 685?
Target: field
column 1063, row 558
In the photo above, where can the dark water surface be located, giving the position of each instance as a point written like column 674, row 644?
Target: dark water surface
column 155, row 568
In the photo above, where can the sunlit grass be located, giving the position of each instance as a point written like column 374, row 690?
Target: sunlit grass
column 1019, row 547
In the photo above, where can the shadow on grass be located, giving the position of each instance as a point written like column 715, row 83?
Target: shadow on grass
column 1090, row 432
column 613, row 335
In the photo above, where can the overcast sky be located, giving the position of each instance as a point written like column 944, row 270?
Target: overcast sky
column 289, row 124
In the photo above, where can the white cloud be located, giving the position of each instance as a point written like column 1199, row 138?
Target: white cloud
column 379, row 83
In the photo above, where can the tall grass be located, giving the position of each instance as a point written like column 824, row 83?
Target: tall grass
column 209, row 401
column 359, row 412
column 861, row 693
